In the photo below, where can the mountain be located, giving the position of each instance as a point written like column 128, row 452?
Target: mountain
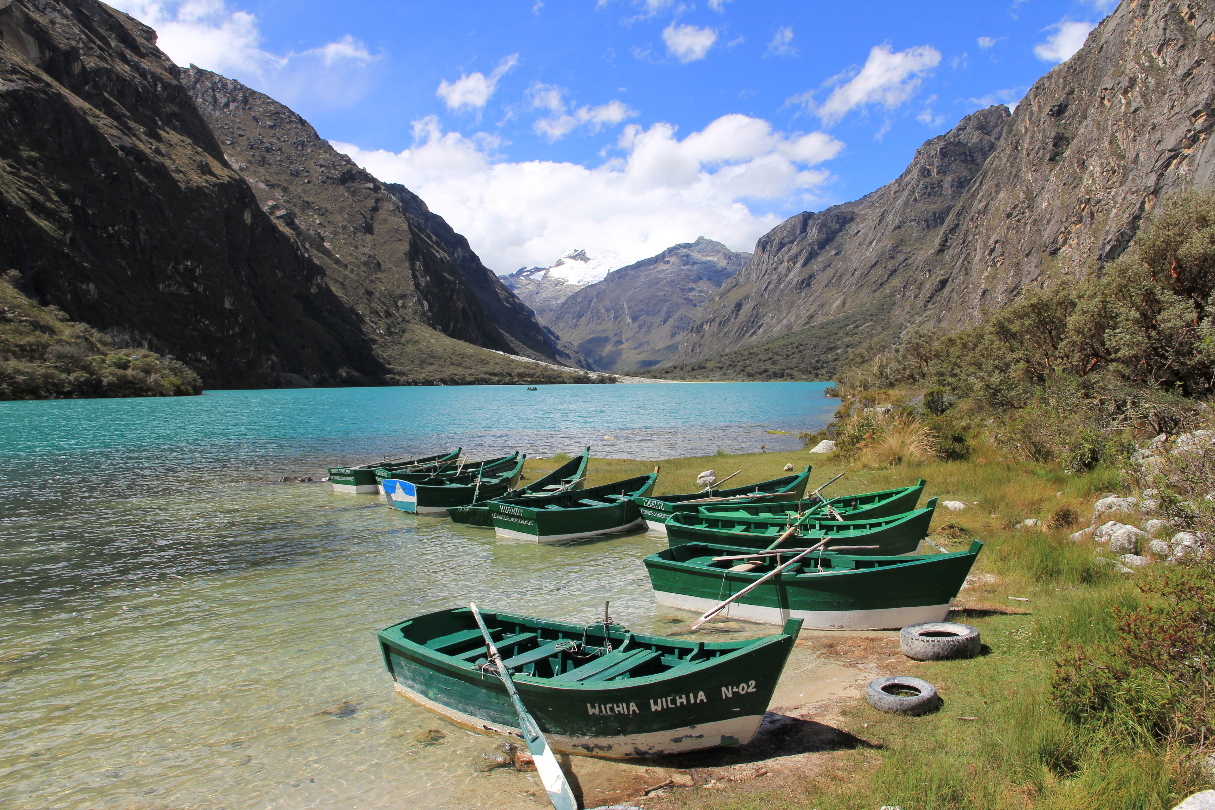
column 544, row 288
column 636, row 316
column 119, row 207
column 1000, row 203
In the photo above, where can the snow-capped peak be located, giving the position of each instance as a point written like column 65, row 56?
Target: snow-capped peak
column 579, row 267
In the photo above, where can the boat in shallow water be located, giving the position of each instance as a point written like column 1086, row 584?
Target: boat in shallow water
column 452, row 468
column 657, row 509
column 864, row 506
column 362, row 480
column 828, row 590
column 900, row 534
column 569, row 476
column 596, row 690
column 605, row 509
column 435, row 495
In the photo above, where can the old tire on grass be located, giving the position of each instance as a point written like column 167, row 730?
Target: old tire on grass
column 938, row 641
column 902, row 695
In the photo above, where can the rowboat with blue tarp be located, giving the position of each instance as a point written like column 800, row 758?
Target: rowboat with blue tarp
column 569, row 476
column 864, row 506
column 605, row 509
column 900, row 534
column 434, row 496
column 451, row 468
column 597, row 690
column 361, row 480
column 828, row 590
column 656, row 509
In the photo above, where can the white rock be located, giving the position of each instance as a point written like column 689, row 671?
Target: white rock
column 1160, row 548
column 1154, row 526
column 954, row 506
column 1029, row 523
column 1127, row 539
column 1113, row 504
column 1199, row 801
column 1148, row 505
column 1186, row 539
column 825, row 446
column 1083, row 534
column 1105, row 531
column 788, row 467
column 1133, row 560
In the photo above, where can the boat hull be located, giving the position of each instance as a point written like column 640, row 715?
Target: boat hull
column 436, row 500
column 363, row 480
column 656, row 511
column 573, row 515
column 568, row 477
column 864, row 506
column 715, row 702
column 850, row 593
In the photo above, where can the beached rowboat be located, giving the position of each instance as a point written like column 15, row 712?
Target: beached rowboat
column 361, row 480
column 452, row 468
column 434, row 496
column 604, row 509
column 593, row 690
column 569, row 476
column 656, row 509
column 900, row 534
column 830, row 591
column 865, row 506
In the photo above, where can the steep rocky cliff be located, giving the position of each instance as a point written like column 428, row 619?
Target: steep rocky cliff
column 816, row 266
column 383, row 252
column 999, row 203
column 636, row 316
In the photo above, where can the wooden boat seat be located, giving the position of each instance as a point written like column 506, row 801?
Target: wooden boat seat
column 532, row 656
column 638, row 658
column 590, row 502
column 603, row 662
column 747, row 566
column 456, row 639
column 506, row 643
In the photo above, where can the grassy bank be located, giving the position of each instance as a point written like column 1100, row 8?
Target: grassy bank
column 1000, row 740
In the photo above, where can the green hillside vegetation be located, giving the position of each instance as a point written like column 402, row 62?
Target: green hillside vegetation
column 813, row 353
column 43, row 355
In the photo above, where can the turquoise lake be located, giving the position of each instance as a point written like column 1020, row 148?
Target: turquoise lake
column 182, row 629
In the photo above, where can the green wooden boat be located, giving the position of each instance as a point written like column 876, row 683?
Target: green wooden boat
column 361, row 480
column 569, row 476
column 595, row 690
column 900, row 534
column 865, row 506
column 656, row 509
column 829, row 591
column 604, row 509
column 452, row 468
column 434, row 496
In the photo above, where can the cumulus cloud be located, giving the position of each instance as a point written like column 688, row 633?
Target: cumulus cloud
column 562, row 120
column 888, row 78
column 718, row 5
column 1104, row 6
column 687, row 43
column 986, row 42
column 1068, row 37
column 782, row 43
column 660, row 190
column 473, row 90
column 209, row 34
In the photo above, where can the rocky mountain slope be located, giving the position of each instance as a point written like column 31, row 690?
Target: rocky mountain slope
column 636, row 316
column 1002, row 201
column 545, row 288
column 383, row 252
column 117, row 205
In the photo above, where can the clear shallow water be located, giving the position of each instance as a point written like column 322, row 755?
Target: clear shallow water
column 179, row 631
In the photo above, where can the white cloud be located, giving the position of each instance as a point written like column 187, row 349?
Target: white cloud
column 562, row 121
column 888, row 78
column 1104, row 6
column 718, row 5
column 473, row 90
column 1069, row 36
column 986, row 42
column 782, row 43
column 209, row 34
column 687, row 43
column 659, row 192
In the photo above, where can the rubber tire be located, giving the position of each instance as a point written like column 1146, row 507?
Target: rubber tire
column 962, row 642
column 926, row 701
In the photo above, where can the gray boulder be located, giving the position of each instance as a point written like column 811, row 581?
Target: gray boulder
column 1127, row 539
column 1105, row 531
column 825, row 446
column 1160, row 548
column 1029, row 523
column 1083, row 534
column 1113, row 504
column 1154, row 526
column 1133, row 560
column 1199, row 801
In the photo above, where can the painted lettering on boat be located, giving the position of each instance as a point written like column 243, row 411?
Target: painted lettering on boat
column 653, row 504
column 741, row 689
column 612, row 708
column 672, row 701
column 506, row 509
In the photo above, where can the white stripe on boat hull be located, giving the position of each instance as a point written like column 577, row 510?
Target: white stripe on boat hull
column 557, row 538
column 735, row 731
column 883, row 619
column 656, row 528
column 356, row 489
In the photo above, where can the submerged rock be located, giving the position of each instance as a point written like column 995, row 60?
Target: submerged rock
column 502, row 755
column 431, row 736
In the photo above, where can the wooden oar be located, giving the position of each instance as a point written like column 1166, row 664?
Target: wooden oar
column 551, row 775
column 815, row 493
column 788, row 551
column 709, row 488
column 792, row 530
column 704, row 617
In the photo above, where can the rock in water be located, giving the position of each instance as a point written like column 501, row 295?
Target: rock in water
column 501, row 755
column 430, row 736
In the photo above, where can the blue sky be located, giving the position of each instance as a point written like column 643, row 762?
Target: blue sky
column 625, row 126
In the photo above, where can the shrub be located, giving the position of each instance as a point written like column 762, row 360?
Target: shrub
column 901, row 439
